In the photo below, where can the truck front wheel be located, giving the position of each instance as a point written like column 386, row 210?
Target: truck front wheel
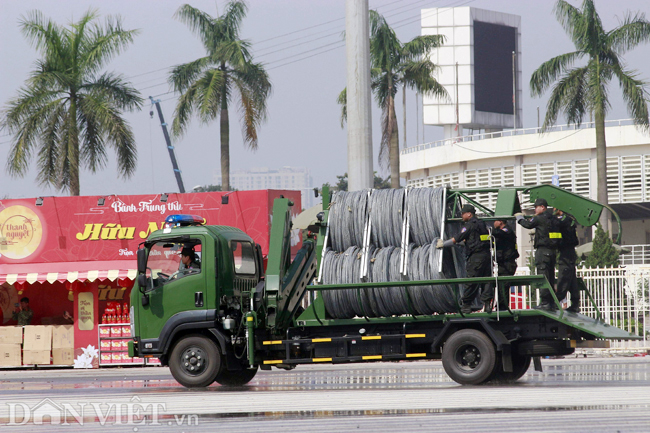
column 469, row 357
column 195, row 361
column 236, row 378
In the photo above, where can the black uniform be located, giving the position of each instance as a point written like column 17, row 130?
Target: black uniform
column 506, row 252
column 547, row 238
column 567, row 279
column 477, row 242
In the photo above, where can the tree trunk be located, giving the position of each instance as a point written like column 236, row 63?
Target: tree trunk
column 73, row 149
column 601, row 167
column 394, row 147
column 225, row 148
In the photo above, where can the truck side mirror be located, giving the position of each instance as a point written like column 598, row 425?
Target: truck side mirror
column 142, row 261
column 142, row 282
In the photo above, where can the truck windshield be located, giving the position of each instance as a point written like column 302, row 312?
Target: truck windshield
column 172, row 260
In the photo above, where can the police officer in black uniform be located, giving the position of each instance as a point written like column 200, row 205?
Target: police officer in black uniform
column 547, row 237
column 477, row 241
column 567, row 280
column 506, row 246
column 506, row 252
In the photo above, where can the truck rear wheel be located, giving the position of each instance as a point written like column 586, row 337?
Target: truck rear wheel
column 195, row 361
column 469, row 357
column 235, row 378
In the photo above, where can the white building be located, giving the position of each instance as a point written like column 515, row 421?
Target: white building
column 527, row 157
column 283, row 178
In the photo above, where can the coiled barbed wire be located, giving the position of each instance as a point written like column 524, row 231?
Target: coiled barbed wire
column 425, row 212
column 347, row 219
column 385, row 209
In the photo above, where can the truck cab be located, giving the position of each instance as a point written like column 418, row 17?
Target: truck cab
column 205, row 296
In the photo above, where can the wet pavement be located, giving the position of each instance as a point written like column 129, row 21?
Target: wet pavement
column 572, row 394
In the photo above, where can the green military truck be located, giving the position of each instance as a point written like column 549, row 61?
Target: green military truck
column 229, row 317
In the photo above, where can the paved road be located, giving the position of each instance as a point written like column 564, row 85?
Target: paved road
column 576, row 395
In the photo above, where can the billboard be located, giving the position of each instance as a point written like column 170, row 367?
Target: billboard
column 90, row 228
column 475, row 67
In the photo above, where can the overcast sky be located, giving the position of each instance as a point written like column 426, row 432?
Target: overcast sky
column 303, row 128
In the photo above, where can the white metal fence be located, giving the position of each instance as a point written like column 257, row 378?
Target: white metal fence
column 510, row 133
column 622, row 295
column 638, row 255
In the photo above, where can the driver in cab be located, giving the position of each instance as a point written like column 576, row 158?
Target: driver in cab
column 188, row 259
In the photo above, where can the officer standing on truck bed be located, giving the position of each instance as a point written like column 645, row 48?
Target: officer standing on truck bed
column 477, row 241
column 567, row 280
column 506, row 252
column 547, row 237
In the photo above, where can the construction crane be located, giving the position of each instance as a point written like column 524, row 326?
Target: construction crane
column 170, row 148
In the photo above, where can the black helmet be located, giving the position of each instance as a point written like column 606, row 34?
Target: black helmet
column 468, row 208
column 541, row 202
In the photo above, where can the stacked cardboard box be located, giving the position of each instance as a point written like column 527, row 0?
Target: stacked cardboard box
column 37, row 345
column 11, row 337
column 63, row 345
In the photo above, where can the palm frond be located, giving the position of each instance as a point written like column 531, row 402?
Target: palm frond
column 235, row 53
column 103, row 43
column 185, row 107
column 115, row 131
column 568, row 95
column 597, row 93
column 48, row 153
column 342, row 100
column 254, row 87
column 634, row 30
column 635, row 96
column 198, row 21
column 114, row 89
column 182, row 76
column 45, row 35
column 93, row 150
column 213, row 88
column 550, row 70
column 421, row 46
column 419, row 75
column 232, row 19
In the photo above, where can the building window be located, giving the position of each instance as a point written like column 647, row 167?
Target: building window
column 489, row 178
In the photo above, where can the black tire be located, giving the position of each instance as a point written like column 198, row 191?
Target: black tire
column 195, row 361
column 235, row 378
column 520, row 365
column 469, row 357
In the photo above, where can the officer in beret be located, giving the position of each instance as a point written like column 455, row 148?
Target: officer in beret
column 547, row 238
column 188, row 259
column 477, row 241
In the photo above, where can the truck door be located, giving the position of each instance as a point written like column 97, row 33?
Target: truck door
column 176, row 288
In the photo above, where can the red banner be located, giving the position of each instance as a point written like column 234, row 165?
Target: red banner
column 66, row 229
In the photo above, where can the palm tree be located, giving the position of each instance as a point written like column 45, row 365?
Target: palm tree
column 69, row 111
column 208, row 84
column 581, row 90
column 393, row 66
